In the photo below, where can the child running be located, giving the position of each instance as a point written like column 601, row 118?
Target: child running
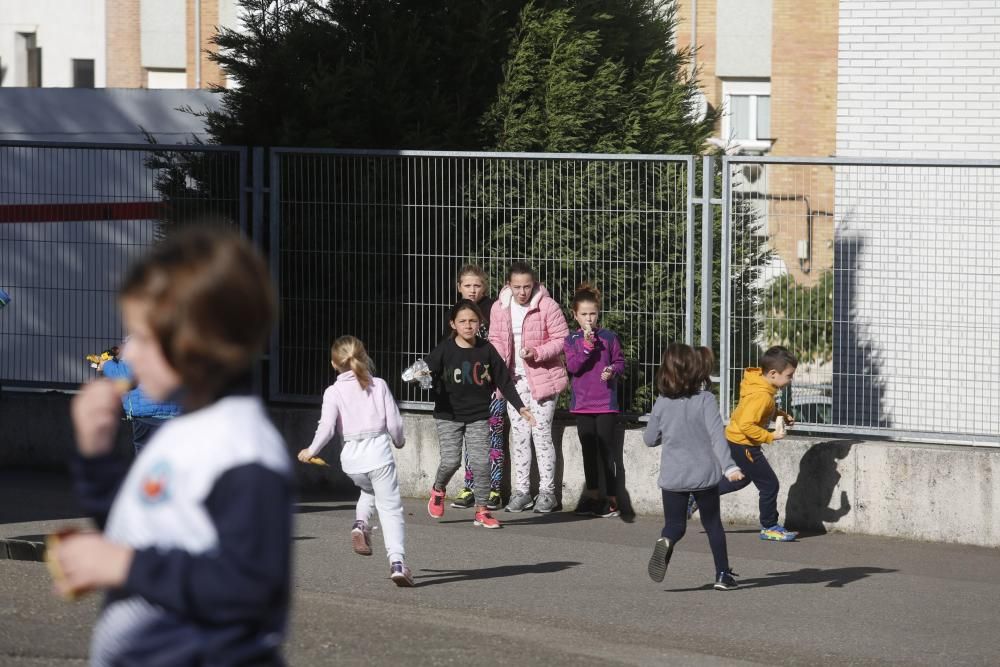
column 362, row 409
column 467, row 371
column 195, row 549
column 747, row 431
column 472, row 284
column 685, row 421
column 594, row 361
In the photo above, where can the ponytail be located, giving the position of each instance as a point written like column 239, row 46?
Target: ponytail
column 586, row 293
column 348, row 353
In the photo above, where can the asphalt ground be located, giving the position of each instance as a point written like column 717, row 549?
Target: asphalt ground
column 562, row 590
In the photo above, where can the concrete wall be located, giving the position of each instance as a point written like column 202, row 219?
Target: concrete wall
column 64, row 29
column 743, row 38
column 163, row 29
column 916, row 247
column 925, row 492
column 919, row 79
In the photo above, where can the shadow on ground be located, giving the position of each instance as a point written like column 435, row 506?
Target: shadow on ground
column 453, row 576
column 833, row 578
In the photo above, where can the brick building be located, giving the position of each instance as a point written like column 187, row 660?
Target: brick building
column 770, row 66
column 111, row 43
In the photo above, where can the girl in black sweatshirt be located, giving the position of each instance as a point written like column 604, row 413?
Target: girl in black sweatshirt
column 467, row 372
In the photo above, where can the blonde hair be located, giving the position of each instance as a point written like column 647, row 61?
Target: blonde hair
column 472, row 270
column 348, row 353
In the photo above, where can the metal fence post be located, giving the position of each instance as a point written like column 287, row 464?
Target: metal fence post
column 689, row 270
column 724, row 292
column 707, row 244
column 274, row 260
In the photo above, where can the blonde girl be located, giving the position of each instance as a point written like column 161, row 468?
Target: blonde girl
column 361, row 408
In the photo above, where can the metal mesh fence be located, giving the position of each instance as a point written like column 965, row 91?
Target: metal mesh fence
column 880, row 276
column 72, row 218
column 369, row 244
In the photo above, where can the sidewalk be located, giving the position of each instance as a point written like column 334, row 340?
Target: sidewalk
column 559, row 590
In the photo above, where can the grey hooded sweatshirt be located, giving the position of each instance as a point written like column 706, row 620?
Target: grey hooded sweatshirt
column 695, row 454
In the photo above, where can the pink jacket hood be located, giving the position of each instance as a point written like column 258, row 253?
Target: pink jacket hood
column 544, row 331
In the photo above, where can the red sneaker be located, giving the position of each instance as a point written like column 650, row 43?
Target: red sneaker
column 435, row 506
column 486, row 520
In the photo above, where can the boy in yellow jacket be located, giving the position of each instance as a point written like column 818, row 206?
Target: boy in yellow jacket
column 747, row 431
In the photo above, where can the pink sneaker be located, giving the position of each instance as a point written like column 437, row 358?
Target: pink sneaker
column 400, row 574
column 435, row 506
column 486, row 520
column 361, row 539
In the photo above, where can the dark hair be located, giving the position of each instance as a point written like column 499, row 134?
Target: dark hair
column 777, row 358
column 684, row 370
column 210, row 306
column 521, row 267
column 464, row 304
column 586, row 293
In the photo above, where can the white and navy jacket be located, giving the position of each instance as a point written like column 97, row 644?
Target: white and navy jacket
column 207, row 506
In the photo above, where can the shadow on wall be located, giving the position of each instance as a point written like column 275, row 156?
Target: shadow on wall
column 621, row 492
column 809, row 497
column 858, row 389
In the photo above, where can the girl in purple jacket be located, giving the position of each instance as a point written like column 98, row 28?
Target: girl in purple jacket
column 595, row 362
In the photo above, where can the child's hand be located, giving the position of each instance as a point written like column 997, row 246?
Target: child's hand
column 789, row 421
column 88, row 561
column 778, row 435
column 735, row 476
column 304, row 456
column 607, row 374
column 95, row 412
column 527, row 353
column 528, row 417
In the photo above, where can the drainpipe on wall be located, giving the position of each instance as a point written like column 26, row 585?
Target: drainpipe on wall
column 694, row 37
column 197, row 43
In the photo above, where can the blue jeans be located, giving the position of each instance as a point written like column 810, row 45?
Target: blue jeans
column 756, row 469
column 143, row 429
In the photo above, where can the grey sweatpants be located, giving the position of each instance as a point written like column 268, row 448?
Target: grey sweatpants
column 477, row 443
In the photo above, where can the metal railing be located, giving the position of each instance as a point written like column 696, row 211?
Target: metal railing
column 880, row 275
column 72, row 218
column 369, row 242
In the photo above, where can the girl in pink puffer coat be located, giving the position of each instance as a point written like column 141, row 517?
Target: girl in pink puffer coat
column 527, row 328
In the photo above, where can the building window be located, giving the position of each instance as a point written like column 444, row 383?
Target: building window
column 166, row 78
column 746, row 121
column 83, row 73
column 28, row 62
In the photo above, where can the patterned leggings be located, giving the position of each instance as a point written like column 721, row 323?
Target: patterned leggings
column 498, row 407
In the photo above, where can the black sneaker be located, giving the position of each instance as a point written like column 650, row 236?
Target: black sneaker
column 586, row 506
column 660, row 559
column 495, row 501
column 726, row 581
column 464, row 500
column 606, row 509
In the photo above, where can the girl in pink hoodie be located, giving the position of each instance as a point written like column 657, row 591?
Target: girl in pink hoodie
column 527, row 328
column 361, row 408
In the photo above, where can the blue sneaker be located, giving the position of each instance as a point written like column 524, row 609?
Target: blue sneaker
column 777, row 533
column 692, row 506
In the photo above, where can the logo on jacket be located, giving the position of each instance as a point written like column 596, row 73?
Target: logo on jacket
column 154, row 487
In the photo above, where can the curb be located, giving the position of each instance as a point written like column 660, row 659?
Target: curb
column 29, row 547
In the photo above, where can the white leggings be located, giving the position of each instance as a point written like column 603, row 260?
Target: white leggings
column 521, row 435
column 380, row 489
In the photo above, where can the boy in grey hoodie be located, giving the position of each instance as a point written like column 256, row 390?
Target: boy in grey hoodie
column 695, row 457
